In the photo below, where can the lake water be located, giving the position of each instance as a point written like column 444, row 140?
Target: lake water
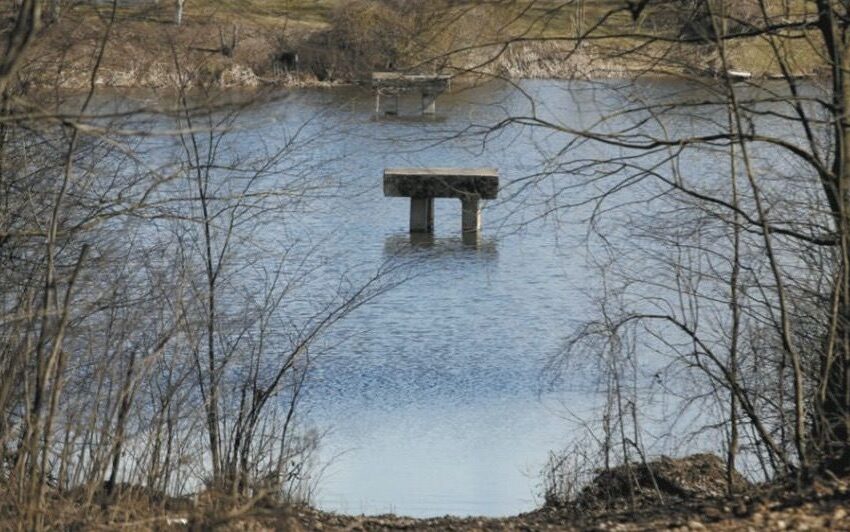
column 433, row 397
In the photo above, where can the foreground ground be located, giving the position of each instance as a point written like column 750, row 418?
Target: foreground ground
column 828, row 513
column 667, row 494
column 825, row 509
column 683, row 494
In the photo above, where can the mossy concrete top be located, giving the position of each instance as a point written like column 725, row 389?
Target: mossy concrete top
column 460, row 183
column 396, row 81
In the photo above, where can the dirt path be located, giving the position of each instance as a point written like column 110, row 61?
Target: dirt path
column 825, row 514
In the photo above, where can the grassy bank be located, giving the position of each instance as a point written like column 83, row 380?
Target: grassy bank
column 278, row 42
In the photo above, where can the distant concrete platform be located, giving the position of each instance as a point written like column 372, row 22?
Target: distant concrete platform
column 392, row 83
column 422, row 185
column 401, row 81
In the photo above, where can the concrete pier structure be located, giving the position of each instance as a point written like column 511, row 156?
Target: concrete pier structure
column 422, row 185
column 390, row 85
column 421, row 215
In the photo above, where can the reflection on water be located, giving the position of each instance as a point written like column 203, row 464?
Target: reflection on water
column 427, row 245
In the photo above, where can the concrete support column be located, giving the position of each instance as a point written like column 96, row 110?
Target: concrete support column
column 471, row 239
column 391, row 105
column 429, row 103
column 421, row 215
column 422, row 185
column 470, row 215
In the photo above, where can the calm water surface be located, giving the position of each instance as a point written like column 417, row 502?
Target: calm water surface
column 432, row 396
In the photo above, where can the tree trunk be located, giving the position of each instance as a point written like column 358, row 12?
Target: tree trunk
column 832, row 426
column 178, row 17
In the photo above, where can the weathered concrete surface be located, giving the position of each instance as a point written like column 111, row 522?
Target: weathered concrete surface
column 470, row 215
column 390, row 106
column 421, row 215
column 429, row 103
column 395, row 81
column 462, row 183
column 391, row 84
column 422, row 185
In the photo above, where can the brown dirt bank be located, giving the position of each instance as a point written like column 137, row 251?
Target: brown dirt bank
column 675, row 494
column 817, row 514
column 224, row 48
column 152, row 53
column 827, row 509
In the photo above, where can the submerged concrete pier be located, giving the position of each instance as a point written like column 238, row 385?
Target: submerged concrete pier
column 392, row 84
column 422, row 185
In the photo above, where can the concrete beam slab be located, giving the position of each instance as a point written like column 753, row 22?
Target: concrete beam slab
column 482, row 183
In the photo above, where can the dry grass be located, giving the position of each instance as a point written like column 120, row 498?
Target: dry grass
column 342, row 41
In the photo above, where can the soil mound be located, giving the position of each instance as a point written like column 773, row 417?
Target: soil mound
column 699, row 476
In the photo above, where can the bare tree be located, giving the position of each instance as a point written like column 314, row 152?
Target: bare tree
column 139, row 306
column 732, row 293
